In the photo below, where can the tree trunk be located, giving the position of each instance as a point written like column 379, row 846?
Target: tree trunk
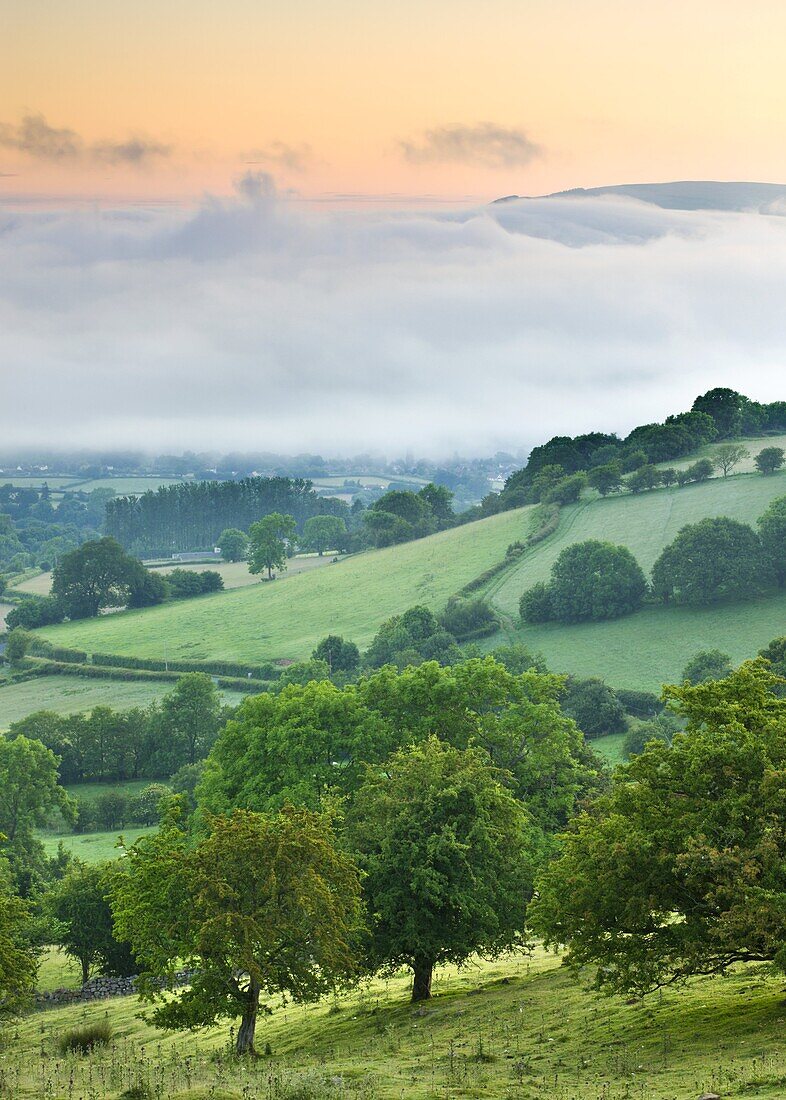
column 85, row 970
column 248, row 1022
column 421, row 986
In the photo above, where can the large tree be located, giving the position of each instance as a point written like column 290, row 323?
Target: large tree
column 769, row 459
column 725, row 407
column 590, row 580
column 18, row 957
column 83, row 920
column 269, row 539
column 96, row 575
column 29, row 792
column 729, row 455
column 714, row 559
column 262, row 905
column 772, row 531
column 189, row 719
column 233, row 544
column 323, row 533
column 681, row 869
column 448, row 856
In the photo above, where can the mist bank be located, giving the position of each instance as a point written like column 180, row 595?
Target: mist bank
column 252, row 324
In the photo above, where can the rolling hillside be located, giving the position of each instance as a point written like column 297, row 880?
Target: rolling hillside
column 287, row 618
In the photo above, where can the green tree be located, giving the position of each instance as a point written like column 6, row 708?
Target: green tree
column 535, row 605
column 709, row 664
column 97, row 574
column 301, row 746
column 769, row 459
column 19, row 641
column 700, row 471
column 146, row 588
column 233, row 544
column 263, row 905
column 268, row 541
column 606, row 479
column 714, row 559
column 440, row 500
column 725, row 407
column 594, row 707
column 83, row 921
column 772, row 531
column 681, row 869
column 29, row 791
column 646, row 477
column 594, row 580
column 148, row 806
column 662, row 727
column 189, row 719
column 18, row 957
column 323, row 533
column 566, row 491
column 448, row 856
column 338, row 654
column 729, row 455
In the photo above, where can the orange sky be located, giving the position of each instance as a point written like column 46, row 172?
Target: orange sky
column 326, row 95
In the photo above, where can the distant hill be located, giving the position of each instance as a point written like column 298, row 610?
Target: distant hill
column 680, row 194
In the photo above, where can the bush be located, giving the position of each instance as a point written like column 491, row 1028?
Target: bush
column 111, row 810
column 640, row 704
column 594, row 707
column 339, row 655
column 186, row 583
column 769, row 460
column 700, row 471
column 466, row 619
column 535, row 605
column 18, row 643
column 661, row 728
column 82, row 1040
column 35, row 611
column 710, row 664
column 146, row 808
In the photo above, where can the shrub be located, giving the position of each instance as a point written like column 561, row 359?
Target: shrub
column 535, row 605
column 146, row 808
column 594, row 707
column 340, row 655
column 35, row 611
column 466, row 619
column 661, row 728
column 700, row 471
column 640, row 704
column 82, row 1040
column 710, row 664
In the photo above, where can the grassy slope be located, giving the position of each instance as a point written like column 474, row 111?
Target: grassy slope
column 90, row 847
column 513, row 1029
column 73, row 694
column 646, row 649
column 286, row 619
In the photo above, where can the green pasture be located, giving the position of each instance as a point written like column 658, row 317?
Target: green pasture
column 75, row 694
column 126, row 486
column 516, row 1029
column 90, row 847
column 285, row 619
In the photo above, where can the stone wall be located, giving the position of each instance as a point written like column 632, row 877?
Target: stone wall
column 97, row 989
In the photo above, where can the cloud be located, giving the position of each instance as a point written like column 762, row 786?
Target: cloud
column 289, row 158
column 485, row 143
column 34, row 137
column 250, row 323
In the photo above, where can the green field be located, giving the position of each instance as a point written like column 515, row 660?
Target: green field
column 91, row 847
column 74, row 694
column 37, row 481
column 517, row 1029
column 287, row 618
column 746, row 465
column 126, row 486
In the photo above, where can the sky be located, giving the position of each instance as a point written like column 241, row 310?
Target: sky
column 247, row 224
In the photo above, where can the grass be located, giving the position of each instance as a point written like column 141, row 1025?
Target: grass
column 609, row 748
column 651, row 647
column 518, row 1028
column 286, row 620
column 263, row 622
column 74, row 694
column 57, row 971
column 125, row 486
column 90, row 847
column 39, row 585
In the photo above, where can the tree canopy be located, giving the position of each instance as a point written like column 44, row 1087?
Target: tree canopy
column 96, row 575
column 590, row 580
column 681, row 868
column 714, row 559
column 448, row 856
column 772, row 531
column 323, row 533
column 262, row 905
column 269, row 538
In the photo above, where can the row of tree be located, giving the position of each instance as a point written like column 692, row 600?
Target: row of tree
column 712, row 560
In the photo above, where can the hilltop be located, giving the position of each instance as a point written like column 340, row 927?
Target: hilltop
column 681, row 194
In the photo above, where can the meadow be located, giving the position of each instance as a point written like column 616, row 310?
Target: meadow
column 90, row 847
column 286, row 619
column 275, row 621
column 521, row 1027
column 74, row 695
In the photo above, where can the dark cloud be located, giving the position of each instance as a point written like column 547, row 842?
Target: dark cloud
column 289, row 158
column 250, row 323
column 485, row 143
column 34, row 137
